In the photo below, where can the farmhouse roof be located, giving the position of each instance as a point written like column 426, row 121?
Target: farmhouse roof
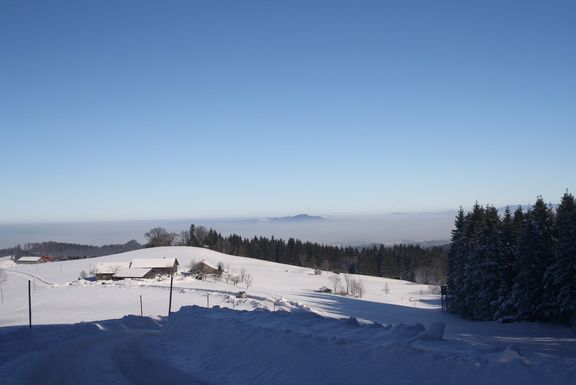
column 153, row 263
column 209, row 265
column 131, row 273
column 29, row 259
column 110, row 267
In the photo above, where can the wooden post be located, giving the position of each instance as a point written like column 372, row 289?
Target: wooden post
column 141, row 313
column 29, row 305
column 444, row 297
column 170, row 301
column 208, row 300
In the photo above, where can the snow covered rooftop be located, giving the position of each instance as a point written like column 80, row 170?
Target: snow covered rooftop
column 209, row 265
column 131, row 273
column 30, row 259
column 110, row 267
column 153, row 263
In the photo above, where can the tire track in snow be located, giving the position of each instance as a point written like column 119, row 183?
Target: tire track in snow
column 30, row 275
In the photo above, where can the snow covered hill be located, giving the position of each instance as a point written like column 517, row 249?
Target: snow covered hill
column 292, row 333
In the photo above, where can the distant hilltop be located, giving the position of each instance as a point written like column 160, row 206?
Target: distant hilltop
column 295, row 218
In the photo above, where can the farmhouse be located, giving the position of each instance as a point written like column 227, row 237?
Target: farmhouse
column 106, row 270
column 204, row 267
column 158, row 265
column 30, row 260
column 124, row 273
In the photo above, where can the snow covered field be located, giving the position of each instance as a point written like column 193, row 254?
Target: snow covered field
column 291, row 334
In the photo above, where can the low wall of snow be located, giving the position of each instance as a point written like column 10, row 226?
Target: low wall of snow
column 262, row 347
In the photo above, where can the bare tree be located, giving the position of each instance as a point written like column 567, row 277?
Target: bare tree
column 159, row 236
column 3, row 279
column 335, row 280
column 357, row 287
column 200, row 233
column 182, row 239
column 360, row 288
column 242, row 274
column 347, row 282
column 192, row 265
column 248, row 281
column 235, row 279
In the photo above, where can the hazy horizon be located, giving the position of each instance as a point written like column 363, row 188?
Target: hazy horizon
column 340, row 230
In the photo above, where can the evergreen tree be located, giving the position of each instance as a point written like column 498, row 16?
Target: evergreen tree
column 534, row 257
column 563, row 271
column 509, row 239
column 455, row 259
column 192, row 240
column 473, row 224
column 487, row 267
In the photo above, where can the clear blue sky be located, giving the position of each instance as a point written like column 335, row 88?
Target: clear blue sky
column 175, row 109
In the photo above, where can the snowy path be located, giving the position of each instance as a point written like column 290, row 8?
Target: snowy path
column 120, row 357
column 30, row 276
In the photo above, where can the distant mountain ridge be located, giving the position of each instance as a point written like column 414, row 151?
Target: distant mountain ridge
column 295, row 218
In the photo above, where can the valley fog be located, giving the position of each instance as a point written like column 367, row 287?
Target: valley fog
column 337, row 230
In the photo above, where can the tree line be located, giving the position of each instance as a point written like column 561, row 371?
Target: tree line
column 520, row 265
column 66, row 251
column 408, row 262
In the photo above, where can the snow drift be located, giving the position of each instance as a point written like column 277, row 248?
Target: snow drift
column 264, row 347
column 221, row 346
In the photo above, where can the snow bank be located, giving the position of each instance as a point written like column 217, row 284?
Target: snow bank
column 17, row 342
column 222, row 346
column 263, row 347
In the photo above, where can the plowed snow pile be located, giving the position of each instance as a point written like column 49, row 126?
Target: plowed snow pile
column 222, row 346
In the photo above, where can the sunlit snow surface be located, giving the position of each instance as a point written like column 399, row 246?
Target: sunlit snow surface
column 292, row 335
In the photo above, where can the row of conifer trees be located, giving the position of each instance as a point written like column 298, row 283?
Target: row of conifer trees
column 519, row 265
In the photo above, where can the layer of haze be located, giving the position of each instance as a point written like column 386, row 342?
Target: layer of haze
column 356, row 231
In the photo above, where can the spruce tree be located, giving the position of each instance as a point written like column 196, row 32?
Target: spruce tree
column 509, row 239
column 563, row 271
column 468, row 287
column 455, row 253
column 534, row 257
column 486, row 266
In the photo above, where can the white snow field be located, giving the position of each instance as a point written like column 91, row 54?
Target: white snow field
column 285, row 332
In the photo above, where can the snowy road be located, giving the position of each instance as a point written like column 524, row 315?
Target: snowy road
column 120, row 357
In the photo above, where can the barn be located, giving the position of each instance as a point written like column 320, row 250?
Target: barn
column 157, row 265
column 133, row 273
column 204, row 267
column 30, row 260
column 106, row 270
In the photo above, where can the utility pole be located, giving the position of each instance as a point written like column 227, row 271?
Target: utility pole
column 29, row 305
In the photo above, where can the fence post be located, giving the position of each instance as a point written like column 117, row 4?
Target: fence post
column 170, row 301
column 141, row 313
